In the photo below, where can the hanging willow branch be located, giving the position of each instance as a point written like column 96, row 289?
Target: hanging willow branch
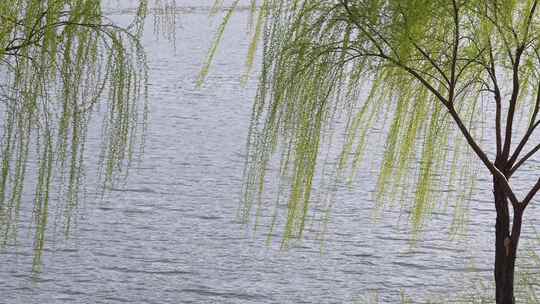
column 61, row 63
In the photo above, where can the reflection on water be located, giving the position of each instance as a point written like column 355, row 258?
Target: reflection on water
column 170, row 234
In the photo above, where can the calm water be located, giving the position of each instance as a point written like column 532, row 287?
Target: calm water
column 170, row 234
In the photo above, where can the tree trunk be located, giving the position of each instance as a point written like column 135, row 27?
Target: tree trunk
column 505, row 246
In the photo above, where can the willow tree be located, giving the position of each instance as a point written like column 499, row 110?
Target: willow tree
column 61, row 61
column 434, row 75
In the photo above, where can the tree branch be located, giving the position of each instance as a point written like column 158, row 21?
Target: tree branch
column 515, row 92
column 498, row 99
column 524, row 159
column 531, row 194
column 483, row 157
column 512, row 102
column 454, row 52
column 532, row 124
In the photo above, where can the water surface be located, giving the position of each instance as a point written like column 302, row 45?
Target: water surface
column 170, row 235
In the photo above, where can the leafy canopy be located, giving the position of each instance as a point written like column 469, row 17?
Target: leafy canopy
column 433, row 76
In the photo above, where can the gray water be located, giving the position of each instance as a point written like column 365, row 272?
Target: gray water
column 170, row 234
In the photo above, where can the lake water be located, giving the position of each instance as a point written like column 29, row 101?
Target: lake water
column 170, row 235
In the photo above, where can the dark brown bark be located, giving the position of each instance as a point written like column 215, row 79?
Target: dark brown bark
column 506, row 243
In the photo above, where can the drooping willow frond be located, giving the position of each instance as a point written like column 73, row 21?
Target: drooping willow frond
column 62, row 64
